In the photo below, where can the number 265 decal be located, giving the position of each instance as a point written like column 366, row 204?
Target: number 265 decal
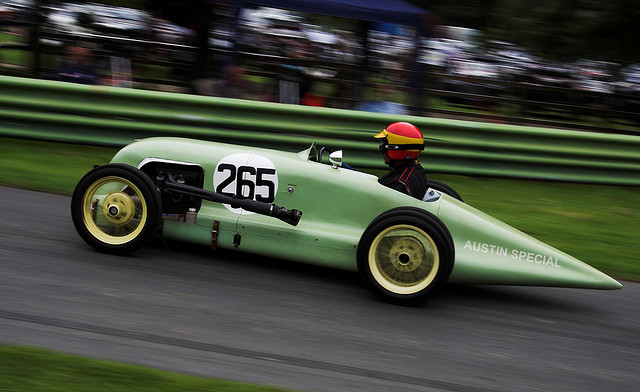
column 246, row 175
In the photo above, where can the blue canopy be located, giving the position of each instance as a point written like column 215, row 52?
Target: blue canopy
column 390, row 11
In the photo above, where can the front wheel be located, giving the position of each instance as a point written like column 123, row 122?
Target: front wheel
column 116, row 208
column 405, row 256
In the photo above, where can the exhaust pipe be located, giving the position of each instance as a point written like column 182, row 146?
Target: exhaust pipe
column 291, row 217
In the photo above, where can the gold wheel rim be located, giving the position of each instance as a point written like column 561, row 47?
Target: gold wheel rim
column 403, row 259
column 114, row 210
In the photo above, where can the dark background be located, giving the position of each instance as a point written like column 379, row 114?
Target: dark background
column 553, row 29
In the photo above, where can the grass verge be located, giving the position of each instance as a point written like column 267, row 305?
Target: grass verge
column 48, row 167
column 27, row 369
column 597, row 224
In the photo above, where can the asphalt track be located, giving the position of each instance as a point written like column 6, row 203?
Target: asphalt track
column 247, row 318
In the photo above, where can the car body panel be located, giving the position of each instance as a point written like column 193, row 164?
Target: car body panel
column 338, row 205
column 489, row 251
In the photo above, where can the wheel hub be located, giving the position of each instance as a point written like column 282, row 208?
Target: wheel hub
column 404, row 259
column 406, row 254
column 118, row 208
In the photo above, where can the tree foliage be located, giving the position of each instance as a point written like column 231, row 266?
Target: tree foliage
column 556, row 29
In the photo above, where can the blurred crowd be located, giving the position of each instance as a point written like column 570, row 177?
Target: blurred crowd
column 476, row 65
column 281, row 56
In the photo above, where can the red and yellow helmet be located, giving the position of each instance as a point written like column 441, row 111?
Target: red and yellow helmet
column 401, row 140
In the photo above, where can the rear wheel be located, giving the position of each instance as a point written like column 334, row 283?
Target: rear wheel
column 405, row 256
column 116, row 208
column 444, row 188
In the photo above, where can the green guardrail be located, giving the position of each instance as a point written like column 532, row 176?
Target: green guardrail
column 101, row 115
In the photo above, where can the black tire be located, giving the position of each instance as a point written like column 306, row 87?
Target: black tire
column 116, row 208
column 405, row 256
column 443, row 188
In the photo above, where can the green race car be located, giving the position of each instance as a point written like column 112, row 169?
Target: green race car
column 294, row 206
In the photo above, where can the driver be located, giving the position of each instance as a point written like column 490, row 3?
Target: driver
column 400, row 144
